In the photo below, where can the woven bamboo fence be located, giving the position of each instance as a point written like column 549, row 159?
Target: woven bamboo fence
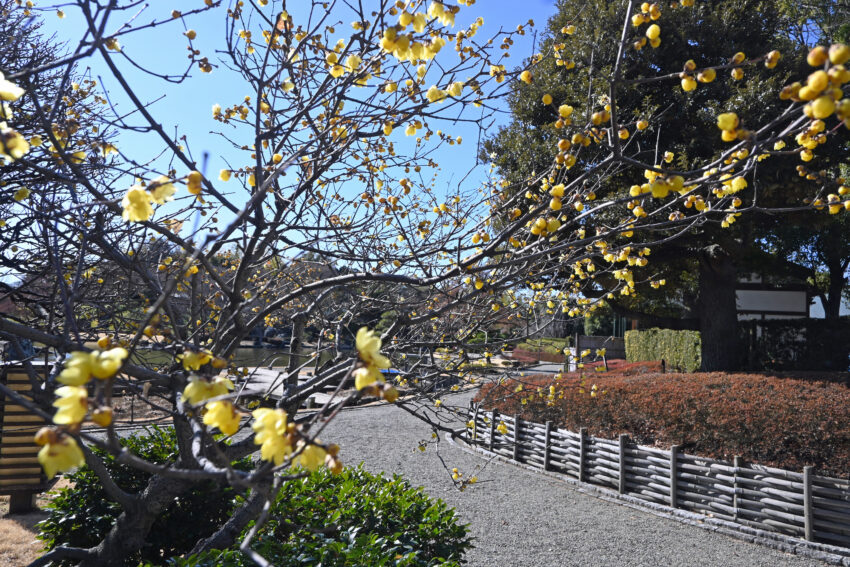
column 798, row 504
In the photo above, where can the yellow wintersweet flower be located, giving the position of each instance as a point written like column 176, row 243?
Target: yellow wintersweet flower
column 352, row 63
column 71, row 405
column 193, row 182
column 367, row 376
column 77, row 370
column 21, row 194
column 222, row 414
column 435, row 94
column 727, row 121
column 369, row 347
column 199, row 390
column 312, row 457
column 8, row 90
column 105, row 364
column 12, row 144
column 60, row 453
column 455, row 89
column 194, row 360
column 162, row 190
column 137, row 204
column 270, row 429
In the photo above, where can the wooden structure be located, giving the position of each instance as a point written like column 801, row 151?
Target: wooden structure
column 798, row 504
column 21, row 475
column 757, row 299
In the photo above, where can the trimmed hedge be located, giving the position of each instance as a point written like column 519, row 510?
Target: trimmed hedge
column 681, row 350
column 781, row 422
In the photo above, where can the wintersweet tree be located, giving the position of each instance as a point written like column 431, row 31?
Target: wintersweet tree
column 328, row 219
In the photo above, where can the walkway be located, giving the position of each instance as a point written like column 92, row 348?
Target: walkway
column 520, row 519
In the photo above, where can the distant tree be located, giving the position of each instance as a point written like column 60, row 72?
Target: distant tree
column 666, row 126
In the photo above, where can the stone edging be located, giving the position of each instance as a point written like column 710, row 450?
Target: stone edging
column 831, row 554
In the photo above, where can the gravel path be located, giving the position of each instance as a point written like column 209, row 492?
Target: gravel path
column 522, row 519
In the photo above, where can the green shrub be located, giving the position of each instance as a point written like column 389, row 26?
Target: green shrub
column 797, row 344
column 351, row 519
column 81, row 515
column 681, row 350
column 546, row 345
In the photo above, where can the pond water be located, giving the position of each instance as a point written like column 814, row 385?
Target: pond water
column 276, row 357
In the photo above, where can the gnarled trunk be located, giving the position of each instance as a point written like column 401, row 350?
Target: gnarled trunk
column 131, row 529
column 717, row 310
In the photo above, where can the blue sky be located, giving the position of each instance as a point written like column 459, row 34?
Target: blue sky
column 187, row 107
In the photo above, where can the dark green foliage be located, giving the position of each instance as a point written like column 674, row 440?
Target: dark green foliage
column 82, row 515
column 351, row 519
column 679, row 349
column 798, row 344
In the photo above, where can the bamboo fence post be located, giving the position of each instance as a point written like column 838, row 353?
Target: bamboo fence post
column 582, row 452
column 475, row 424
column 735, row 504
column 493, row 418
column 808, row 504
column 470, row 412
column 674, row 468
column 516, row 437
column 624, row 440
column 546, row 440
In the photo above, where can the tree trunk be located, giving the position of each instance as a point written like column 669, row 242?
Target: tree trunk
column 717, row 309
column 131, row 529
column 832, row 300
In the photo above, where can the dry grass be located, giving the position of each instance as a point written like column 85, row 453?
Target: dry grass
column 18, row 544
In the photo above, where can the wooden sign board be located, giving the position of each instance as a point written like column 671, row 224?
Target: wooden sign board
column 21, row 475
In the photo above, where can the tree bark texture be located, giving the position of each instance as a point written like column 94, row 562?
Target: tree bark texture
column 717, row 310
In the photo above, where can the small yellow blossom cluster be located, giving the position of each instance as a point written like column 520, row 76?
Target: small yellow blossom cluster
column 404, row 46
column 217, row 413
column 650, row 12
column 822, row 94
column 689, row 81
column 278, row 439
column 13, row 145
column 138, row 200
column 60, row 451
column 368, row 376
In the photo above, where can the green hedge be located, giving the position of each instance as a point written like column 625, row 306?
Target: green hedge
column 681, row 350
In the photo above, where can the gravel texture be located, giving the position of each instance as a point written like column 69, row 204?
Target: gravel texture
column 519, row 518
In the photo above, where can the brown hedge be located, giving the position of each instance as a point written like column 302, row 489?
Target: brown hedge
column 782, row 422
